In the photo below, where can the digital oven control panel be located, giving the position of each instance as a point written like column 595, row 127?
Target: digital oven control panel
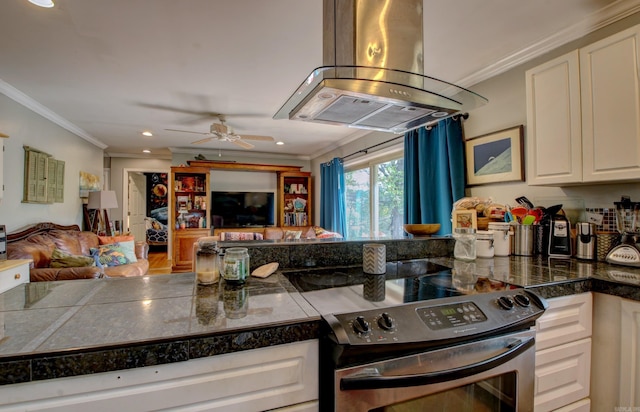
column 438, row 320
column 451, row 316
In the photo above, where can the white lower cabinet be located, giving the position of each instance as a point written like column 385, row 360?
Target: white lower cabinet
column 615, row 380
column 283, row 376
column 13, row 273
column 563, row 354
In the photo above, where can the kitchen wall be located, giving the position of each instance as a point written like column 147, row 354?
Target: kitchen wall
column 507, row 108
column 25, row 127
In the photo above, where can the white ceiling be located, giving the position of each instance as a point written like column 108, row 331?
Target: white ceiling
column 109, row 69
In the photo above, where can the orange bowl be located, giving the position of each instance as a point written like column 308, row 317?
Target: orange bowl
column 424, row 229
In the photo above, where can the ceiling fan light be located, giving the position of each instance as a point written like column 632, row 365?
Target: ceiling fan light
column 43, row 3
column 146, row 151
column 279, row 143
column 147, row 133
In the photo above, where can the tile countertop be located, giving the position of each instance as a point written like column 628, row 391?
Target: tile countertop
column 67, row 328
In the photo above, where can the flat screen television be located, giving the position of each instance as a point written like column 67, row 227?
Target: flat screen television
column 242, row 209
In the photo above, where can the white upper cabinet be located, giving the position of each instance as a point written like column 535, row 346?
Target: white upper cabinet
column 609, row 75
column 583, row 114
column 554, row 137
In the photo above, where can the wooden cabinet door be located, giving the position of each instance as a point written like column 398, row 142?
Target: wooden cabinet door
column 183, row 241
column 554, row 148
column 610, row 82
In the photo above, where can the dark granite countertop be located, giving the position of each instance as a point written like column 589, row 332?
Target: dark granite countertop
column 67, row 328
column 554, row 277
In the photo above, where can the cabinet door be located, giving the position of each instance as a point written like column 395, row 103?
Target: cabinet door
column 183, row 240
column 562, row 375
column 629, row 353
column 610, row 76
column 554, row 153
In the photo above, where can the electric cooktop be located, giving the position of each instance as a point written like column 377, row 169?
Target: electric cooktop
column 348, row 289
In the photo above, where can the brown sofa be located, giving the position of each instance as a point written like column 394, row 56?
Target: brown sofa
column 39, row 241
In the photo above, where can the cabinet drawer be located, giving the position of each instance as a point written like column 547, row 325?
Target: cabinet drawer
column 583, row 405
column 562, row 375
column 567, row 319
column 13, row 273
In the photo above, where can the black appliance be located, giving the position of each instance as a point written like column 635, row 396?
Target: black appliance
column 242, row 209
column 406, row 338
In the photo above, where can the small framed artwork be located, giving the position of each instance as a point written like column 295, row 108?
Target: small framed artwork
column 496, row 157
column 464, row 218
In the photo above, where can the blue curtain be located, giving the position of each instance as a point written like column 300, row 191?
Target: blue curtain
column 333, row 210
column 433, row 173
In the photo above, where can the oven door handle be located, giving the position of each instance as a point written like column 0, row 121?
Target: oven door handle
column 377, row 381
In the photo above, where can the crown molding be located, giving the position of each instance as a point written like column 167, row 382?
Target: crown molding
column 237, row 153
column 154, row 156
column 604, row 17
column 21, row 98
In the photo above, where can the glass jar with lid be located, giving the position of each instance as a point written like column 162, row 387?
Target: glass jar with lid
column 207, row 264
column 236, row 265
column 465, row 246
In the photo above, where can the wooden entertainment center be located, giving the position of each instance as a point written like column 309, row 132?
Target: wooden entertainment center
column 190, row 201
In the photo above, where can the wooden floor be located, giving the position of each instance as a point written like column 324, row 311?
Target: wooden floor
column 159, row 263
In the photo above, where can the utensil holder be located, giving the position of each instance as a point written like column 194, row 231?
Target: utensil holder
column 523, row 240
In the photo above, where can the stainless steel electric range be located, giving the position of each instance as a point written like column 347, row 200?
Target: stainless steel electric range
column 422, row 337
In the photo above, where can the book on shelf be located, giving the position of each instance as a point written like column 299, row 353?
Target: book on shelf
column 295, row 219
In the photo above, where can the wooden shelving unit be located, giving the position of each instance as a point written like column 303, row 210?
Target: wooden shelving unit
column 188, row 213
column 295, row 199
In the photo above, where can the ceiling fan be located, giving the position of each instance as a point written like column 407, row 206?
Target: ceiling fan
column 222, row 132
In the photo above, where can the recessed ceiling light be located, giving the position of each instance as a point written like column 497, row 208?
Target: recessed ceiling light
column 146, row 151
column 279, row 143
column 147, row 133
column 42, row 3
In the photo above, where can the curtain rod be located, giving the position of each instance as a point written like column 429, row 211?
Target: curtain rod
column 464, row 116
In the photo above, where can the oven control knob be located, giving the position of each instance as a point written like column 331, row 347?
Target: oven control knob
column 361, row 326
column 386, row 322
column 522, row 300
column 505, row 302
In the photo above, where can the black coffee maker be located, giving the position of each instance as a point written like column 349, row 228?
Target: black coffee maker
column 553, row 237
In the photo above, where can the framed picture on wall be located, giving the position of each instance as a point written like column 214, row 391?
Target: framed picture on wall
column 464, row 218
column 496, row 157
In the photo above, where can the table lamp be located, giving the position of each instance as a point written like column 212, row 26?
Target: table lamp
column 102, row 201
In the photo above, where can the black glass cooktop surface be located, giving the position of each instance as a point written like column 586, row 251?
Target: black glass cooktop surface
column 348, row 289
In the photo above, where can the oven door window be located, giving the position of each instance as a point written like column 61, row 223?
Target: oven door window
column 492, row 394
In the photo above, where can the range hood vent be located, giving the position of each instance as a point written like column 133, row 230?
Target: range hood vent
column 372, row 73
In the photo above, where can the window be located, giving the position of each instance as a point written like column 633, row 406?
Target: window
column 380, row 212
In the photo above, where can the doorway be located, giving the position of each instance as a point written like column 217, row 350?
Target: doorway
column 141, row 201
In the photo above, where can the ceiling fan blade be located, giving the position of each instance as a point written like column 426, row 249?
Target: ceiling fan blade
column 185, row 131
column 205, row 140
column 243, row 144
column 260, row 138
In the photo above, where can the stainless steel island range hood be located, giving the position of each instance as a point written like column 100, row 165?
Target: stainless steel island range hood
column 372, row 77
